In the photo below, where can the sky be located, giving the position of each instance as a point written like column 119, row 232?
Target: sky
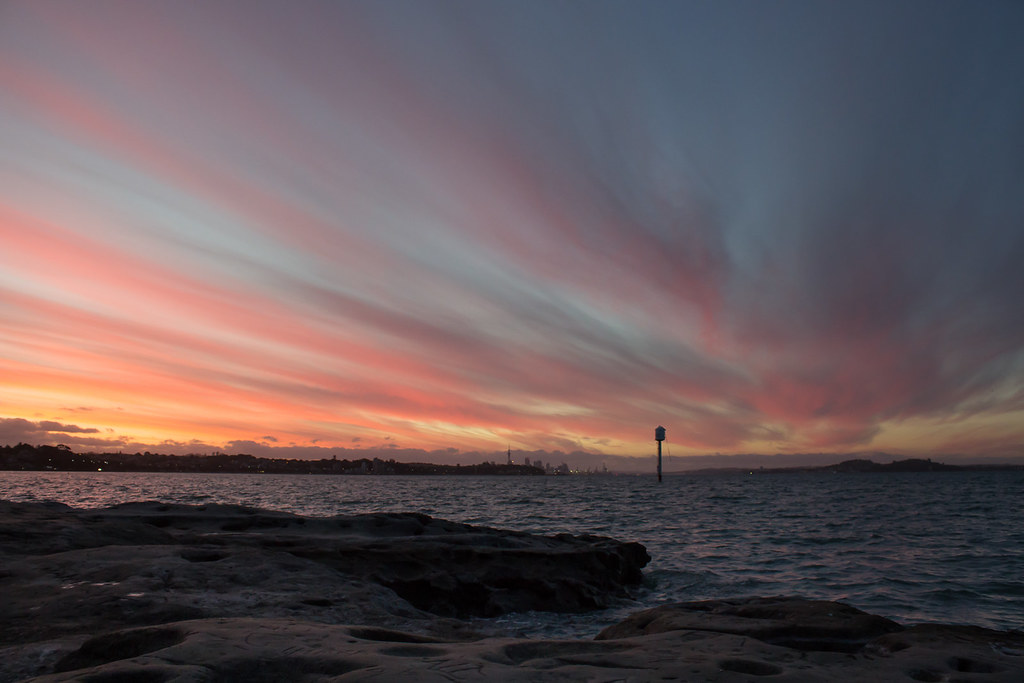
column 462, row 226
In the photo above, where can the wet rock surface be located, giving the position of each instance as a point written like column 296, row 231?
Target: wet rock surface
column 150, row 592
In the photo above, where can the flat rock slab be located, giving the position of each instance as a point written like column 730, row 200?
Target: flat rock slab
column 266, row 650
column 66, row 573
column 441, row 567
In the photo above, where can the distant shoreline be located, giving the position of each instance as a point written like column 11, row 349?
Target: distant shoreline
column 25, row 457
column 858, row 466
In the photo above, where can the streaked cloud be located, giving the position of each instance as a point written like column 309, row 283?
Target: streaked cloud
column 780, row 228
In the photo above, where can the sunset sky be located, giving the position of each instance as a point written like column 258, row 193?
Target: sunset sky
column 772, row 227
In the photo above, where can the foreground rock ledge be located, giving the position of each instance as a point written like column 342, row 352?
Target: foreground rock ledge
column 151, row 592
column 720, row 648
column 66, row 573
column 141, row 550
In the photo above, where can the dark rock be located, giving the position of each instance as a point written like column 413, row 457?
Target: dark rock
column 791, row 622
column 285, row 649
column 111, row 647
column 45, row 528
column 459, row 571
column 69, row 573
column 442, row 567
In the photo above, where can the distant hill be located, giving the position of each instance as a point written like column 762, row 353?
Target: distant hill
column 910, row 465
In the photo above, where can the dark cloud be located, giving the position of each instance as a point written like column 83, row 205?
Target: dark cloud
column 50, row 426
column 19, row 430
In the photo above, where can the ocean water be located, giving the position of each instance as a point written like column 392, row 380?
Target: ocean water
column 921, row 547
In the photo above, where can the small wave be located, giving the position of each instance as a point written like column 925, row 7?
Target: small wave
column 903, row 582
column 1007, row 590
column 196, row 498
column 951, row 595
column 826, row 540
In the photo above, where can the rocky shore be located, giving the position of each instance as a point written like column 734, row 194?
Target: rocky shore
column 155, row 592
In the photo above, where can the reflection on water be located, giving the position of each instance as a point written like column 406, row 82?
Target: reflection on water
column 914, row 547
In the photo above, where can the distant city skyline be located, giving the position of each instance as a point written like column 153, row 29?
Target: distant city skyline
column 464, row 227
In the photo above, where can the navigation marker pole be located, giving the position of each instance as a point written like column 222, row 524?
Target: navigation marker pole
column 659, row 436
